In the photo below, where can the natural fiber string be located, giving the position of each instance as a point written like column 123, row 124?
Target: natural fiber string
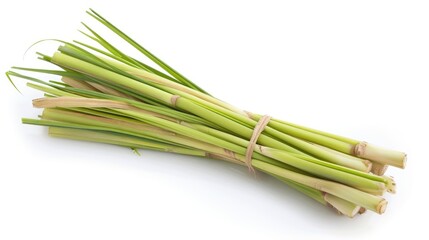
column 260, row 126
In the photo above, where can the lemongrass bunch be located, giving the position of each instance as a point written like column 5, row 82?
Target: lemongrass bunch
column 107, row 96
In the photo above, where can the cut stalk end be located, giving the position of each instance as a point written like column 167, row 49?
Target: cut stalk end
column 381, row 207
column 390, row 184
column 379, row 168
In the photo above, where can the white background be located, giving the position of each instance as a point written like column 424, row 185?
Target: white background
column 356, row 68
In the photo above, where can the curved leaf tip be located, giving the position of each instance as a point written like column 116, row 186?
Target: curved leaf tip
column 11, row 81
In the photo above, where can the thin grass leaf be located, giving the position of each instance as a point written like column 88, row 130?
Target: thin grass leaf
column 148, row 54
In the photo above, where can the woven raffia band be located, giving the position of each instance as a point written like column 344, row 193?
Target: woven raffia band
column 260, row 126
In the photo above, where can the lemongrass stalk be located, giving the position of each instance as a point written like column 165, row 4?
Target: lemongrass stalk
column 326, row 134
column 341, row 168
column 390, row 184
column 127, row 141
column 105, row 75
column 111, row 91
column 360, row 198
column 328, row 142
column 92, row 86
column 348, row 161
column 343, row 206
column 381, row 155
column 71, row 102
column 309, row 191
column 368, row 163
column 77, row 84
column 234, row 139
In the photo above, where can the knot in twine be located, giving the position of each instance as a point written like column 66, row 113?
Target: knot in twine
column 260, row 126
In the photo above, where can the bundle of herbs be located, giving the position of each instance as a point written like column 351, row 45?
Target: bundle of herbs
column 108, row 96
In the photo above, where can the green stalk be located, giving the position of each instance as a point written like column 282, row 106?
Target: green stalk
column 322, row 133
column 326, row 141
column 311, row 192
column 343, row 206
column 232, row 138
column 122, row 140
